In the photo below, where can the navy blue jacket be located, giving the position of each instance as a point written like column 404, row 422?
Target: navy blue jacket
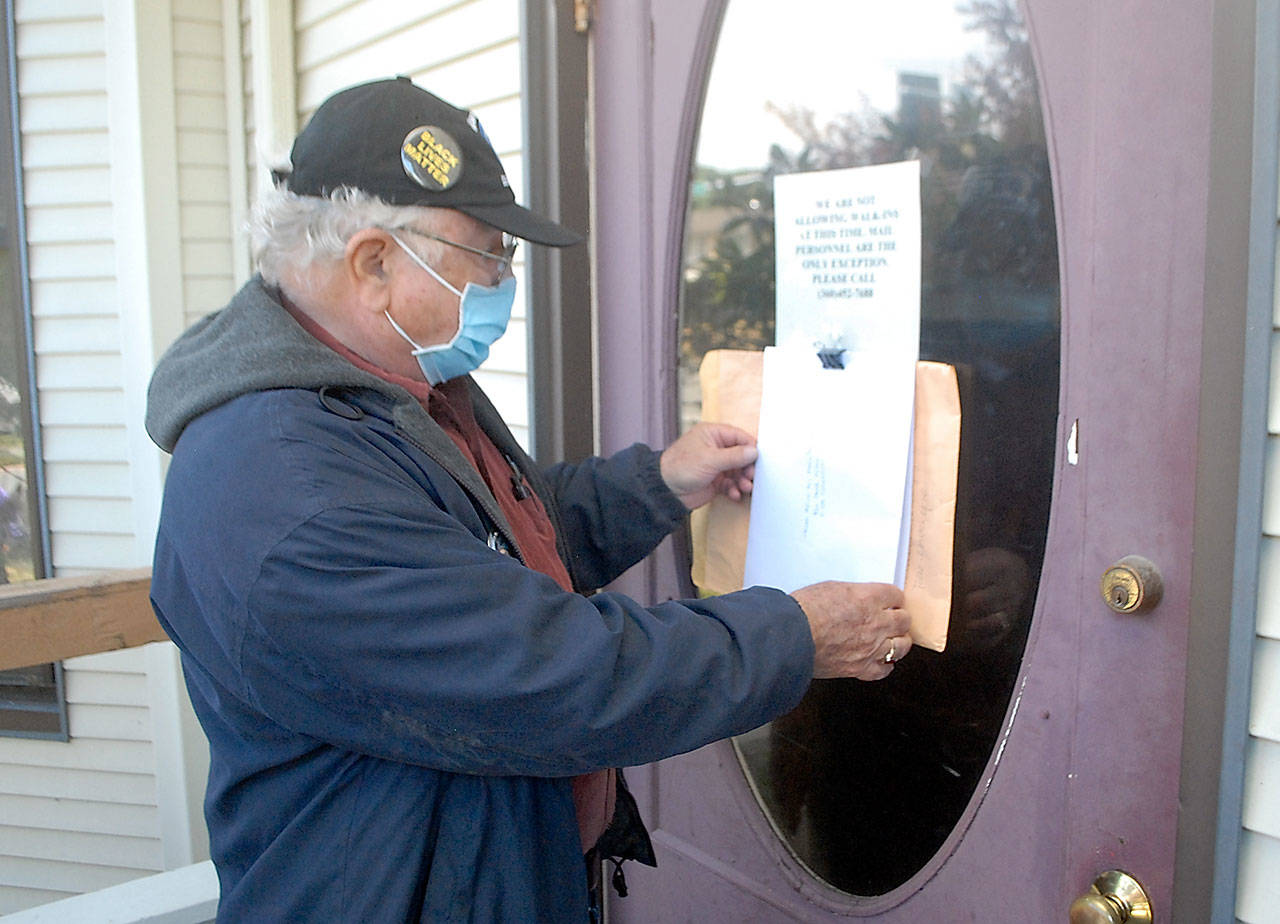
column 394, row 706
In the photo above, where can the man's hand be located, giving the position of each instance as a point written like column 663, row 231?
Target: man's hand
column 859, row 630
column 710, row 459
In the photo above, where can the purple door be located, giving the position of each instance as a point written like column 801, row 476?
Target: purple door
column 1066, row 165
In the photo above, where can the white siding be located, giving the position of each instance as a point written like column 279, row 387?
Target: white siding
column 62, row 86
column 1258, row 890
column 77, row 815
column 465, row 52
column 204, row 153
column 82, row 815
column 248, row 134
column 85, row 814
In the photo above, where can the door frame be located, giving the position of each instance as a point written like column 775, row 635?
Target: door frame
column 554, row 59
column 1219, row 690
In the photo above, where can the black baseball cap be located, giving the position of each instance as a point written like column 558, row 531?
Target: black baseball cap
column 394, row 140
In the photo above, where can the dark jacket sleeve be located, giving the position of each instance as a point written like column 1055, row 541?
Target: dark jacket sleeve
column 612, row 512
column 426, row 646
column 338, row 582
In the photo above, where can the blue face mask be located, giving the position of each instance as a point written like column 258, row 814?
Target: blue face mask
column 483, row 313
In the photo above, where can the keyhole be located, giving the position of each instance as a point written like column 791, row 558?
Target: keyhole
column 1132, row 585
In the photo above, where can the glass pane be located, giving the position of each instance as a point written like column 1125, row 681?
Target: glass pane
column 20, row 558
column 17, row 554
column 865, row 781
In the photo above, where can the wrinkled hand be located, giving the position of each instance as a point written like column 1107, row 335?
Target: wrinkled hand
column 855, row 626
column 709, row 459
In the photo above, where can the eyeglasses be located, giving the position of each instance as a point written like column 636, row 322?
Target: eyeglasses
column 503, row 259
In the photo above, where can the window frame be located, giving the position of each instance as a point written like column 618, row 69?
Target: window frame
column 555, row 62
column 20, row 692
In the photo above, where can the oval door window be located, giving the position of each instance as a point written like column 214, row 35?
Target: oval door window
column 865, row 781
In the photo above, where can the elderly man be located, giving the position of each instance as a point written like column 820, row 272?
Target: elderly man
column 387, row 615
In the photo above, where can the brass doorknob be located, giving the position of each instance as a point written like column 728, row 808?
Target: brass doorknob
column 1114, row 898
column 1131, row 585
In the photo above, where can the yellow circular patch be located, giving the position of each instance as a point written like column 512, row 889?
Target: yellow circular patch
column 431, row 158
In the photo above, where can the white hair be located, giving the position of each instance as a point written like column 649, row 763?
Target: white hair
column 291, row 232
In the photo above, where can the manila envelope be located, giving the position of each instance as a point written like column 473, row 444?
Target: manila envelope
column 731, row 381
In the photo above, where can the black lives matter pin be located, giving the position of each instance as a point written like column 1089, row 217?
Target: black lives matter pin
column 431, row 158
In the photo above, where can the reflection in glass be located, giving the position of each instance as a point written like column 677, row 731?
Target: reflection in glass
column 865, row 781
column 17, row 555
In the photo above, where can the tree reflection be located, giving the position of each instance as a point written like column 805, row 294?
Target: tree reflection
column 15, row 530
column 866, row 781
column 992, row 119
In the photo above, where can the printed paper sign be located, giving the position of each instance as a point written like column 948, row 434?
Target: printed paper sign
column 848, row 259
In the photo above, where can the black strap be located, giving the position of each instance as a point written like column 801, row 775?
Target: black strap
column 626, row 838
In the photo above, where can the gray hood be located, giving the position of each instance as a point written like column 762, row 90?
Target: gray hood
column 252, row 345
column 255, row 345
